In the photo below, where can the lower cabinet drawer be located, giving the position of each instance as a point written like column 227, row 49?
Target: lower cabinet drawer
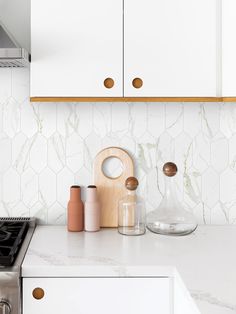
column 96, row 295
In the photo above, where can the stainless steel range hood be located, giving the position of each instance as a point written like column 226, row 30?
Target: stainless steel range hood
column 11, row 54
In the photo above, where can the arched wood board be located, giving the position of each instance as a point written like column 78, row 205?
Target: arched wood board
column 111, row 190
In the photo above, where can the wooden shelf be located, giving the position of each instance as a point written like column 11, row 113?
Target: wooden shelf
column 133, row 99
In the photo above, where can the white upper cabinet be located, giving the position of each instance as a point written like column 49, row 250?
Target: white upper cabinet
column 171, row 46
column 75, row 46
column 228, row 48
column 137, row 48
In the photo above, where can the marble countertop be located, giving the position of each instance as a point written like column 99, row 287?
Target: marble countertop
column 205, row 260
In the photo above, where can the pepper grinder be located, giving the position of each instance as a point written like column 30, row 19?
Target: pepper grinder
column 92, row 210
column 75, row 210
column 170, row 218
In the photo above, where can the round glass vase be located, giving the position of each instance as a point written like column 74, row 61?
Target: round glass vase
column 170, row 218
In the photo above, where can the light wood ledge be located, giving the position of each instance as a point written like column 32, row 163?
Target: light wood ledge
column 133, row 99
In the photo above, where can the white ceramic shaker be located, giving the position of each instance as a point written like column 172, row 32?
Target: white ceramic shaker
column 92, row 210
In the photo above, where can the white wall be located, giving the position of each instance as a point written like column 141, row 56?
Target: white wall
column 46, row 147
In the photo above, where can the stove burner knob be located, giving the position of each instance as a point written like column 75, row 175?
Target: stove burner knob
column 5, row 307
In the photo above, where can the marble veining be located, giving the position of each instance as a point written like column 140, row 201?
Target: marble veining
column 46, row 147
column 207, row 297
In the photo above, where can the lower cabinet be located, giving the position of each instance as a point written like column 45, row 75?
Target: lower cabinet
column 97, row 295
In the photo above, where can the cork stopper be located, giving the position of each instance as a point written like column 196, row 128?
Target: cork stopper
column 131, row 183
column 170, row 169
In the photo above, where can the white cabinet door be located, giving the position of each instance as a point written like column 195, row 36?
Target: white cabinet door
column 98, row 295
column 76, row 45
column 228, row 48
column 171, row 46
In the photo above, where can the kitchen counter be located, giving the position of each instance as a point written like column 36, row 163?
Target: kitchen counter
column 205, row 260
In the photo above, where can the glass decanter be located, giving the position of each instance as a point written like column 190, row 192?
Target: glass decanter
column 131, row 211
column 170, row 218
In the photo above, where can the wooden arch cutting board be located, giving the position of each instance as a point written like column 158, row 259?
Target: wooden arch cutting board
column 111, row 190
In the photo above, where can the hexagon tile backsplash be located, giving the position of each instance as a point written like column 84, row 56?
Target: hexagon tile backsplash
column 46, row 147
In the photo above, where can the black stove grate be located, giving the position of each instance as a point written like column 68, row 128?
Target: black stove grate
column 12, row 234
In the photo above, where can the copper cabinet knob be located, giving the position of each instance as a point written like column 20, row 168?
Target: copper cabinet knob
column 137, row 82
column 170, row 169
column 109, row 82
column 38, row 293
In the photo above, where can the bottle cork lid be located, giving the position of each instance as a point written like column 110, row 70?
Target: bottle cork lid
column 131, row 183
column 170, row 169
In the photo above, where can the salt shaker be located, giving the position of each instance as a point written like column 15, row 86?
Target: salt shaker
column 75, row 210
column 92, row 210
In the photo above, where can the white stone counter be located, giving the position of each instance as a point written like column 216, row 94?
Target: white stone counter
column 205, row 260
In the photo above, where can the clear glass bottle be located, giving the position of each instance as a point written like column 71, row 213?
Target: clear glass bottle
column 170, row 218
column 131, row 211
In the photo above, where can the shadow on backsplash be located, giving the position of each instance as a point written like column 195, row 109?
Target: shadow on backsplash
column 45, row 148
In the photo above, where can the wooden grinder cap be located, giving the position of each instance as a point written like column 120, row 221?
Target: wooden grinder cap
column 170, row 169
column 131, row 183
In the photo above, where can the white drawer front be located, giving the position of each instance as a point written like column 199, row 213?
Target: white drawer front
column 97, row 295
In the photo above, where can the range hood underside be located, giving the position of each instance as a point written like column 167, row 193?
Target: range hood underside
column 14, row 58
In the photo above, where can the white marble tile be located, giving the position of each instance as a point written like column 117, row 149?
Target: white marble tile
column 192, row 188
column 174, row 118
column 65, row 179
column 30, row 121
column 47, row 118
column 47, row 187
column 121, row 119
column 85, row 113
column 137, row 119
column 38, row 153
column 21, row 147
column 11, row 187
column 210, row 116
column 102, row 118
column 232, row 152
column 56, row 215
column 5, row 83
column 156, row 118
column 92, row 146
column 74, row 152
column 20, row 210
column 210, row 187
column 228, row 119
column 6, row 153
column 56, row 152
column 11, row 117
column 29, row 187
column 20, row 84
column 219, row 152
column 228, row 186
column 201, row 152
column 40, row 211
column 183, row 152
column 192, row 119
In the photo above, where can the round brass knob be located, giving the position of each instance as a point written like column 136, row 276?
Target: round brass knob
column 170, row 169
column 109, row 82
column 131, row 183
column 38, row 293
column 137, row 82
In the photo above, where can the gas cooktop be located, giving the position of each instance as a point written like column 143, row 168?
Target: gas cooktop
column 12, row 234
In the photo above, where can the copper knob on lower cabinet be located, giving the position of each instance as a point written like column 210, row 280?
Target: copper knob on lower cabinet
column 137, row 82
column 38, row 293
column 109, row 82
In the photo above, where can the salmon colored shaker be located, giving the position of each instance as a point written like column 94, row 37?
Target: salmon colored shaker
column 75, row 210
